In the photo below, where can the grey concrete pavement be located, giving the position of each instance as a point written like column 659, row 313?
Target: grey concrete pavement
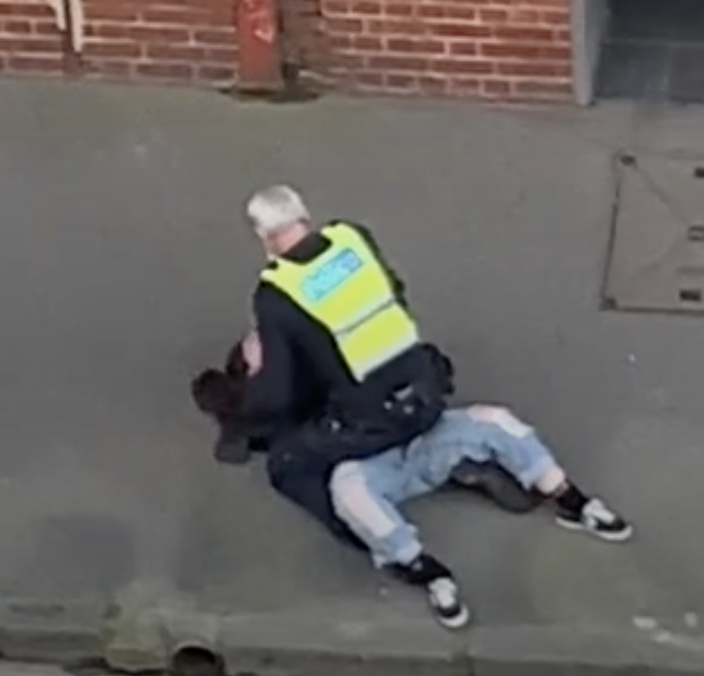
column 124, row 270
column 19, row 669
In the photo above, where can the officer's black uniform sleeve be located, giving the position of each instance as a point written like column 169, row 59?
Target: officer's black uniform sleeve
column 398, row 284
column 270, row 392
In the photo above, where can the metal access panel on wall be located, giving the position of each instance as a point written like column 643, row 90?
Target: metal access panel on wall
column 656, row 261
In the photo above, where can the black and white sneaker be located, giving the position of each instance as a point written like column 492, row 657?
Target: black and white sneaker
column 445, row 600
column 598, row 519
column 443, row 593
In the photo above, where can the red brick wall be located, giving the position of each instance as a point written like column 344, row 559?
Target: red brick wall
column 497, row 49
column 508, row 49
column 168, row 40
column 29, row 41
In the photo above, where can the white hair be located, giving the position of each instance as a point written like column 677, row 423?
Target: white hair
column 275, row 207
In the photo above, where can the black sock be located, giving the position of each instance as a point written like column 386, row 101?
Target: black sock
column 571, row 499
column 422, row 571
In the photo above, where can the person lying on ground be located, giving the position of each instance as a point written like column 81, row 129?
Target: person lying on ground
column 480, row 446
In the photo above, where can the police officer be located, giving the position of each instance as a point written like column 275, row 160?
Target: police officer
column 328, row 300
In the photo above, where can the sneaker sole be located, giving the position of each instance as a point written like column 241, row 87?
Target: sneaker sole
column 620, row 536
column 457, row 621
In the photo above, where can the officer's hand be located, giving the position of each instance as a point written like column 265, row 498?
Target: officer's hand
column 252, row 352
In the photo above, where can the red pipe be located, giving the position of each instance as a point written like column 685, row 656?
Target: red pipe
column 259, row 47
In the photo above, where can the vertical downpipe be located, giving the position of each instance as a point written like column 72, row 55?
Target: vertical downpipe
column 259, row 45
column 72, row 57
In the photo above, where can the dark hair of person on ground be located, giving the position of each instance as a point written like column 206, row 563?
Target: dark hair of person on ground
column 221, row 393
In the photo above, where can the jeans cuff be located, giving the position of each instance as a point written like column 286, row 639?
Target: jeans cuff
column 531, row 475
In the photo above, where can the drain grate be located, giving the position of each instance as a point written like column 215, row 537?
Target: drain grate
column 656, row 262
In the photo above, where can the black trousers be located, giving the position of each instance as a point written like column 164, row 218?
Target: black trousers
column 311, row 494
column 300, row 464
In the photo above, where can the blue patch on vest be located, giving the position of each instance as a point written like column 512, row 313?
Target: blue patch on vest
column 331, row 275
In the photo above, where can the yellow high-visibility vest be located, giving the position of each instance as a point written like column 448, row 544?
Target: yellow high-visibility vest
column 347, row 290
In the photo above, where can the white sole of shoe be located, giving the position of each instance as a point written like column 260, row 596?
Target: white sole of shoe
column 620, row 536
column 457, row 622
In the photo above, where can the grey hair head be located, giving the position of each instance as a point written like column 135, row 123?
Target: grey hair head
column 276, row 207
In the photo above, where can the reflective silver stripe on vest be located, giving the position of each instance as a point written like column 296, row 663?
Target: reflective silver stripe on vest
column 364, row 315
column 361, row 371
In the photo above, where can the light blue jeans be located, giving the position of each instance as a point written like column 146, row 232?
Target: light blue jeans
column 366, row 494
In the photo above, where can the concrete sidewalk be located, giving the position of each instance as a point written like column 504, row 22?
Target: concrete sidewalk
column 124, row 270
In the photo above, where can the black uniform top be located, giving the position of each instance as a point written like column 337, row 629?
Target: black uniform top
column 294, row 343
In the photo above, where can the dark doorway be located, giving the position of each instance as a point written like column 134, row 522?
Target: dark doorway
column 653, row 50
